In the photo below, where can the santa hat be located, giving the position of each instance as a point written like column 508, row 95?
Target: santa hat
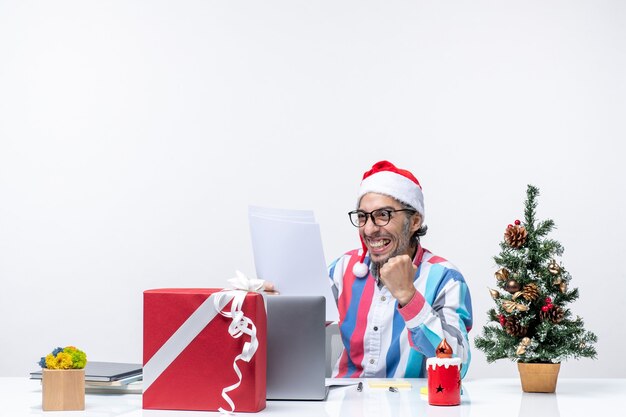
column 385, row 178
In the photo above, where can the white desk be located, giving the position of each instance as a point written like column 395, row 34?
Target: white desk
column 482, row 398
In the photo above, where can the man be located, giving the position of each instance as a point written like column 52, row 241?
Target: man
column 399, row 302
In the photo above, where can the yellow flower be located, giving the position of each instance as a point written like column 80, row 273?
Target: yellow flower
column 50, row 361
column 61, row 361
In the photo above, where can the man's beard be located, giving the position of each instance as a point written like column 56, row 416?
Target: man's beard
column 404, row 243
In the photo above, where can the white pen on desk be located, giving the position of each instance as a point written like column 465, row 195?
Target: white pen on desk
column 393, row 389
column 359, row 387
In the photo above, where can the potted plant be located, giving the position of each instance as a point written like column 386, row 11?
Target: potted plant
column 531, row 323
column 63, row 379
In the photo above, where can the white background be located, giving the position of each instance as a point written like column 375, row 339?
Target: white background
column 134, row 134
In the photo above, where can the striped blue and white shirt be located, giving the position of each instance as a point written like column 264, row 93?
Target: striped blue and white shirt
column 383, row 340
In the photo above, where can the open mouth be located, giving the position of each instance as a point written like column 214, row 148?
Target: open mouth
column 378, row 245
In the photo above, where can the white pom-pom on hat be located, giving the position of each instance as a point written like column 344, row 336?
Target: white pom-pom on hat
column 360, row 270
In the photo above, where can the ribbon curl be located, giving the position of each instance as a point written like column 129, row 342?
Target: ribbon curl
column 240, row 325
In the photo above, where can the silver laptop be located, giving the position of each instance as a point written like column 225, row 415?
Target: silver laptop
column 296, row 347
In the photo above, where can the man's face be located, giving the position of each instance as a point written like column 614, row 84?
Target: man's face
column 385, row 242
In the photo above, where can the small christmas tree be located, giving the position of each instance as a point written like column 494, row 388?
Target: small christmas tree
column 531, row 322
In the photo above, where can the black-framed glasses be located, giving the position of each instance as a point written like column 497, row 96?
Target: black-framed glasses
column 380, row 217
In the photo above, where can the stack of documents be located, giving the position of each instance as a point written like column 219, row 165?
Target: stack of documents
column 288, row 251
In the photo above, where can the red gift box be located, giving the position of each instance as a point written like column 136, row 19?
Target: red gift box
column 188, row 352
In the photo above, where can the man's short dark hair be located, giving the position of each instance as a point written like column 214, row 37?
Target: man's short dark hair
column 423, row 228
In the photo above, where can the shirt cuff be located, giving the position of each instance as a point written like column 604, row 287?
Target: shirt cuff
column 413, row 308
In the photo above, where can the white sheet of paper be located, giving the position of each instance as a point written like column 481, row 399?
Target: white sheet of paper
column 306, row 216
column 288, row 251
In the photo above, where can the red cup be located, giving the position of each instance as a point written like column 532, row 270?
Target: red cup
column 444, row 381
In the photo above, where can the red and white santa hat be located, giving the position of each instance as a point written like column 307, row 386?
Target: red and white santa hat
column 385, row 178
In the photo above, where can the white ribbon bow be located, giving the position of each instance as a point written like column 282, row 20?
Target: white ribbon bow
column 242, row 282
column 239, row 326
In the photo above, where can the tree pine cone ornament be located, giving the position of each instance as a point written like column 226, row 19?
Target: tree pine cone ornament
column 554, row 314
column 513, row 328
column 530, row 292
column 515, row 236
